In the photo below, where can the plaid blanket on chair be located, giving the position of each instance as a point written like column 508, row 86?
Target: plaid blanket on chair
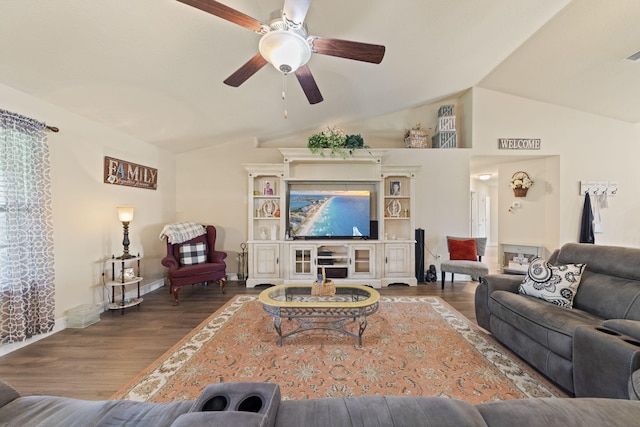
column 182, row 231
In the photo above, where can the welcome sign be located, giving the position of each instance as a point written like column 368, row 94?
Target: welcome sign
column 121, row 172
column 519, row 143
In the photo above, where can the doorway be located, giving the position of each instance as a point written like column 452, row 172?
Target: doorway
column 480, row 214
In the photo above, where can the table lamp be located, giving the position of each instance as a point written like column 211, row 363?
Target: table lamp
column 125, row 215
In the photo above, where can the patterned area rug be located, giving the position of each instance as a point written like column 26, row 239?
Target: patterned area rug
column 412, row 346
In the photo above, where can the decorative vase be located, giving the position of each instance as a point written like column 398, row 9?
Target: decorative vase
column 394, row 208
column 264, row 233
column 269, row 208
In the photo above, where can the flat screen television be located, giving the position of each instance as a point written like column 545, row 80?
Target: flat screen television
column 320, row 210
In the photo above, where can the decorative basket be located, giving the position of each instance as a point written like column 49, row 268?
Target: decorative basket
column 326, row 289
column 445, row 110
column 416, row 139
column 520, row 191
column 445, row 139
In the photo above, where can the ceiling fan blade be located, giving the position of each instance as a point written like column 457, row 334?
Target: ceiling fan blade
column 225, row 12
column 294, row 12
column 247, row 70
column 308, row 84
column 347, row 49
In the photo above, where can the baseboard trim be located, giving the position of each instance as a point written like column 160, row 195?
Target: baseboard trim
column 61, row 323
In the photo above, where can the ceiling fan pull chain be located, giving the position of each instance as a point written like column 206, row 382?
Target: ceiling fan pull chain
column 284, row 94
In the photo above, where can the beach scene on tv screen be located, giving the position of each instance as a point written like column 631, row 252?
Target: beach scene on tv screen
column 335, row 213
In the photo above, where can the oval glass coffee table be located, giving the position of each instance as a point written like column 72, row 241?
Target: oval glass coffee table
column 349, row 306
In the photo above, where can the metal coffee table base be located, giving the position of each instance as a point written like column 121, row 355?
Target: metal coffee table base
column 329, row 319
column 343, row 312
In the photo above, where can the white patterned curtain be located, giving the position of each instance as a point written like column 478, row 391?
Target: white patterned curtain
column 26, row 231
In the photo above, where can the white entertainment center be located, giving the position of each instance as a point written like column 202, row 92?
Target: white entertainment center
column 387, row 256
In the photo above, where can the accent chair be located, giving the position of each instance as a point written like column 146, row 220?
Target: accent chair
column 195, row 261
column 465, row 257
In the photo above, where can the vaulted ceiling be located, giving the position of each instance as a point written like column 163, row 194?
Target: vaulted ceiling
column 154, row 69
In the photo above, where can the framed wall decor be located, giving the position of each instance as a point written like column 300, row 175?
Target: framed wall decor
column 395, row 188
column 122, row 172
column 269, row 188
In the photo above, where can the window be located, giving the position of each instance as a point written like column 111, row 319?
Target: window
column 26, row 231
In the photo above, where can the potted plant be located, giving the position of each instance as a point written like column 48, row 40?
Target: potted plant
column 520, row 183
column 335, row 140
column 416, row 137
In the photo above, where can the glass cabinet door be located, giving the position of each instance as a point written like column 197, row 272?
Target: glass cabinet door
column 303, row 262
column 362, row 262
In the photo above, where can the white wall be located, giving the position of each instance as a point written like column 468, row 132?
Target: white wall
column 588, row 147
column 86, row 226
column 526, row 224
column 442, row 194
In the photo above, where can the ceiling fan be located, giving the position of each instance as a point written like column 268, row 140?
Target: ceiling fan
column 286, row 45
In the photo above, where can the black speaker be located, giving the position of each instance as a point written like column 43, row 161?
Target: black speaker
column 373, row 230
column 420, row 255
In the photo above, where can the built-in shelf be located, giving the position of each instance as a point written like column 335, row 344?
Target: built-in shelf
column 275, row 258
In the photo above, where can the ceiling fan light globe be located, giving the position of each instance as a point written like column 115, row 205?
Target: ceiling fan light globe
column 285, row 50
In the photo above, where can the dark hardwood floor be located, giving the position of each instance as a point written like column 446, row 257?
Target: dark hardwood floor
column 95, row 362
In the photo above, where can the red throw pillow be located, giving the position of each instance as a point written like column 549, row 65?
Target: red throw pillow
column 463, row 250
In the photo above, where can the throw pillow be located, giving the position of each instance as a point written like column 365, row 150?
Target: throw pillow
column 462, row 249
column 193, row 253
column 556, row 284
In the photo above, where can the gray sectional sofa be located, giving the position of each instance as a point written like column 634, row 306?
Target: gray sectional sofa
column 259, row 404
column 590, row 350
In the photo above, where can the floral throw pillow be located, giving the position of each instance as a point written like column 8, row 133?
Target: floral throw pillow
column 193, row 253
column 556, row 284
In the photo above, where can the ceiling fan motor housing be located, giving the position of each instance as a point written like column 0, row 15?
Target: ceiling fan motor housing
column 285, row 48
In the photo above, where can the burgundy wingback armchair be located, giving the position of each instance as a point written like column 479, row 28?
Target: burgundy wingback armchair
column 213, row 269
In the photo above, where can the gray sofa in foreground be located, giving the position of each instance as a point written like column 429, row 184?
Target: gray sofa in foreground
column 591, row 350
column 259, row 404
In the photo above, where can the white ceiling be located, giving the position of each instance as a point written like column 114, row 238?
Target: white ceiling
column 154, row 68
column 577, row 60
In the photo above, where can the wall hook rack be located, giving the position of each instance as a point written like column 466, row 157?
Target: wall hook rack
column 595, row 188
